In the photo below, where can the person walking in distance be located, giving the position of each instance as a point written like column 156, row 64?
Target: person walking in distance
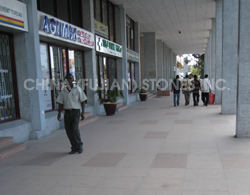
column 196, row 90
column 72, row 98
column 202, row 89
column 176, row 86
column 206, row 89
column 186, row 88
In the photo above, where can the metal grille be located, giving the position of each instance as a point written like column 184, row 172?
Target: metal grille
column 7, row 97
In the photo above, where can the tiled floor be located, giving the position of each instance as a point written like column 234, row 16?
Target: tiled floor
column 152, row 148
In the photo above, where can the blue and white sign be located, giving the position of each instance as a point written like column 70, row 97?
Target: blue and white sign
column 58, row 29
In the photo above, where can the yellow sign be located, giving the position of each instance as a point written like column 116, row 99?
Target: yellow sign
column 101, row 29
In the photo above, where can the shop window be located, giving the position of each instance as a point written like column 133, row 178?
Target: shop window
column 107, row 73
column 111, row 22
column 58, row 62
column 46, row 76
column 76, row 67
column 76, row 12
column 8, row 96
column 130, row 33
column 104, row 12
column 58, row 70
column 47, row 6
column 66, row 10
column 131, row 77
column 62, row 10
column 112, row 71
column 97, row 10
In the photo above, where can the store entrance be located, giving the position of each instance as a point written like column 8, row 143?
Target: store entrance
column 56, row 63
column 107, row 74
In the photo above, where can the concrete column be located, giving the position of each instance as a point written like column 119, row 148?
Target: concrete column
column 142, row 55
column 164, row 75
column 230, row 58
column 169, row 67
column 210, row 54
column 90, row 56
column 171, row 63
column 29, row 63
column 243, row 103
column 122, row 71
column 150, row 61
column 207, row 58
column 218, row 49
column 213, row 41
column 137, row 49
column 205, row 61
column 175, row 65
column 160, row 61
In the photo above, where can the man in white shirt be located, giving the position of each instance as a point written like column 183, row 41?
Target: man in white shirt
column 206, row 89
column 72, row 100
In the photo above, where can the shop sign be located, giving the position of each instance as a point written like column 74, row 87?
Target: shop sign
column 108, row 47
column 13, row 14
column 60, row 30
column 133, row 56
column 101, row 29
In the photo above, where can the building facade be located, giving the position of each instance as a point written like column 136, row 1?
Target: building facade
column 94, row 40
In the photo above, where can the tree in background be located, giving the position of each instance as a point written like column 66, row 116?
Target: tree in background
column 198, row 69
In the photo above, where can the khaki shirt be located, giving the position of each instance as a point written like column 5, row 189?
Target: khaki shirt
column 72, row 99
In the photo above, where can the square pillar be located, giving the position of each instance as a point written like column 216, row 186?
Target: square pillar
column 29, row 61
column 230, row 55
column 150, row 60
column 218, row 54
column 243, row 81
column 160, row 61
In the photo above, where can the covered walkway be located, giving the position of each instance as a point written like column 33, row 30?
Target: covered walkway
column 152, row 148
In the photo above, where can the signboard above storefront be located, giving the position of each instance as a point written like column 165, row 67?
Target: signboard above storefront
column 133, row 56
column 60, row 30
column 108, row 47
column 101, row 29
column 13, row 14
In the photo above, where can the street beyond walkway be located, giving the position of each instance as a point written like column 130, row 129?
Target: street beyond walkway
column 152, row 148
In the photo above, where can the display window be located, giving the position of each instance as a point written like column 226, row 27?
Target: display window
column 130, row 33
column 66, row 10
column 107, row 73
column 131, row 76
column 56, row 63
column 9, row 108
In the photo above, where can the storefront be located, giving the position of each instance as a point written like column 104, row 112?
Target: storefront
column 106, row 58
column 133, row 70
column 62, row 47
column 13, row 19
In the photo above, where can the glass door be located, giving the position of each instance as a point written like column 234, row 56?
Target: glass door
column 76, row 68
column 112, row 72
column 58, row 70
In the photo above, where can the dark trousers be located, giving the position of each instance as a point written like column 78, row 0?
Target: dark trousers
column 71, row 122
column 206, row 98
column 196, row 97
column 203, row 97
column 187, row 97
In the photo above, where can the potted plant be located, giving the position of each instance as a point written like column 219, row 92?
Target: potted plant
column 142, row 93
column 110, row 101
